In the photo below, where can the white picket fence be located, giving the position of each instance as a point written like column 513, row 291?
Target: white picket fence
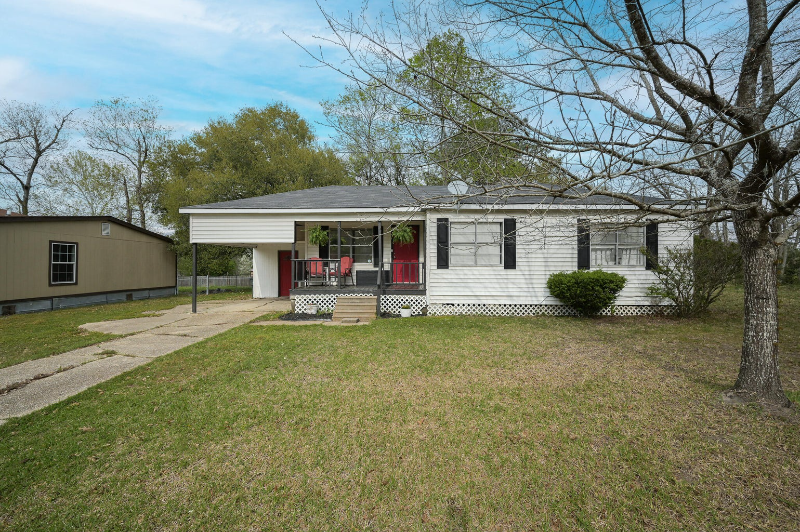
column 206, row 281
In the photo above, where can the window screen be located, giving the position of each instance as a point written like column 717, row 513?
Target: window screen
column 476, row 243
column 618, row 247
column 63, row 262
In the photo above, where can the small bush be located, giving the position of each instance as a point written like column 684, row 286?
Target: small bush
column 588, row 292
column 693, row 278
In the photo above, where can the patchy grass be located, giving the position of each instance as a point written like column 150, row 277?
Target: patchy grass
column 452, row 423
column 31, row 336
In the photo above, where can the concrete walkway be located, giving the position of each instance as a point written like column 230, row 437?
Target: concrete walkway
column 35, row 384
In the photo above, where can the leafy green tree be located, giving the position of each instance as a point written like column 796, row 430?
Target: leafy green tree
column 438, row 76
column 455, row 101
column 80, row 184
column 254, row 153
column 435, row 124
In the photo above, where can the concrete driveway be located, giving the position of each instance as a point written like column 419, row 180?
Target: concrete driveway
column 32, row 385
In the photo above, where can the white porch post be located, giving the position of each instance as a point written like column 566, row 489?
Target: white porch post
column 194, row 278
column 265, row 270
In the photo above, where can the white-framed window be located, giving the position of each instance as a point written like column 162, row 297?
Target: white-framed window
column 105, row 229
column 476, row 243
column 63, row 263
column 617, row 247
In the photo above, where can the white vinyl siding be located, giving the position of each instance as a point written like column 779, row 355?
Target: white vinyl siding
column 241, row 228
column 545, row 245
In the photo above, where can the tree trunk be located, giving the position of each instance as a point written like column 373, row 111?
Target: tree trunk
column 128, row 209
column 142, row 220
column 26, row 196
column 759, row 377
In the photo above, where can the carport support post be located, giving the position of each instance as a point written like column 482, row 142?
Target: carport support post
column 339, row 251
column 194, row 278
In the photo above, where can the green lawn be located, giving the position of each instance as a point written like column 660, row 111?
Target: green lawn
column 455, row 423
column 30, row 336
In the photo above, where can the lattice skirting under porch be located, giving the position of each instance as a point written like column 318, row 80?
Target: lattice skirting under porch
column 325, row 302
column 392, row 303
column 458, row 309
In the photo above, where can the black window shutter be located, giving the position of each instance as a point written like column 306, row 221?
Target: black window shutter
column 442, row 243
column 510, row 244
column 651, row 243
column 325, row 251
column 375, row 247
column 583, row 245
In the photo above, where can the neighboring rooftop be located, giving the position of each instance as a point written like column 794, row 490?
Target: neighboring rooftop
column 388, row 197
column 34, row 219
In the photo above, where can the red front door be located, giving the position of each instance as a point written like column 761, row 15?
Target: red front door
column 402, row 271
column 284, row 273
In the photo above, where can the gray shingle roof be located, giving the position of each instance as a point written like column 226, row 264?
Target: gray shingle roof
column 388, row 197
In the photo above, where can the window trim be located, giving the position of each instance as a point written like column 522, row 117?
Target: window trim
column 105, row 228
column 643, row 243
column 50, row 262
column 475, row 244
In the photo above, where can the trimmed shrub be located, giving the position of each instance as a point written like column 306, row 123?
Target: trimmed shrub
column 693, row 278
column 587, row 291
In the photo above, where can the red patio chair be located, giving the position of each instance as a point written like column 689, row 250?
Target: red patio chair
column 315, row 268
column 347, row 269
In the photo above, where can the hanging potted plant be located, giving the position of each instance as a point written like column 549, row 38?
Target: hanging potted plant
column 317, row 236
column 402, row 234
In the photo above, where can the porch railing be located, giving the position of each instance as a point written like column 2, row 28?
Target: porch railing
column 310, row 273
column 402, row 274
column 316, row 272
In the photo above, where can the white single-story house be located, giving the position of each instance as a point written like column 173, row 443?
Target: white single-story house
column 470, row 254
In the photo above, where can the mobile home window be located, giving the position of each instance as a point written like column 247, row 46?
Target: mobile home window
column 63, row 263
column 476, row 244
column 617, row 247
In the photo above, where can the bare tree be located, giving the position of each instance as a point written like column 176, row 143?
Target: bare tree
column 690, row 100
column 29, row 135
column 131, row 132
column 369, row 140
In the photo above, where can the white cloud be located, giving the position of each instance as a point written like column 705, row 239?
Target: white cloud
column 181, row 12
column 19, row 81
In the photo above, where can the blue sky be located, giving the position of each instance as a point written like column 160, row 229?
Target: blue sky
column 200, row 58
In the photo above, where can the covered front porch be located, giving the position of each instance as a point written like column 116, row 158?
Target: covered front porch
column 354, row 256
column 323, row 276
